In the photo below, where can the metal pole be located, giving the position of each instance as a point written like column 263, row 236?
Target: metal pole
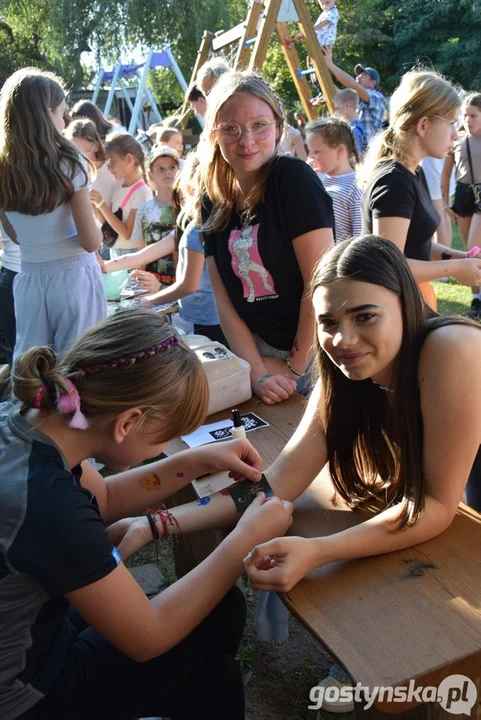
column 98, row 85
column 111, row 94
column 140, row 93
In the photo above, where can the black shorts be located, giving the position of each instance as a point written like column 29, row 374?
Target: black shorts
column 464, row 204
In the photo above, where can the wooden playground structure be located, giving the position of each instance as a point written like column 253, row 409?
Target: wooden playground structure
column 253, row 37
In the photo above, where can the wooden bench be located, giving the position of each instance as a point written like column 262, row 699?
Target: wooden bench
column 408, row 615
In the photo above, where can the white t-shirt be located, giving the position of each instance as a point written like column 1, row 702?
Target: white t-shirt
column 51, row 236
column 105, row 184
column 327, row 35
column 433, row 168
column 138, row 198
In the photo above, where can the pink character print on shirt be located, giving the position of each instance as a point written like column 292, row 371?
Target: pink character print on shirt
column 247, row 263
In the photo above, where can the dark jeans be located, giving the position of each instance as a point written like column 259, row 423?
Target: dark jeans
column 213, row 332
column 199, row 678
column 7, row 316
column 473, row 487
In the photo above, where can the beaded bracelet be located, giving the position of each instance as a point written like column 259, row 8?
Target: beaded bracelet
column 293, row 370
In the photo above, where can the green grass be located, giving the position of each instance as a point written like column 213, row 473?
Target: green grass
column 453, row 298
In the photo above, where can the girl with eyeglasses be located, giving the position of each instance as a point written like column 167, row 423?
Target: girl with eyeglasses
column 266, row 220
column 396, row 203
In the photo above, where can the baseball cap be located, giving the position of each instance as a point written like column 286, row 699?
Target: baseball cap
column 162, row 151
column 370, row 71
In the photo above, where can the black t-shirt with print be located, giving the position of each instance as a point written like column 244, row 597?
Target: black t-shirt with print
column 394, row 191
column 257, row 263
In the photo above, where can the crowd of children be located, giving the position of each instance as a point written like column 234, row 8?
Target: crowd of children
column 256, row 235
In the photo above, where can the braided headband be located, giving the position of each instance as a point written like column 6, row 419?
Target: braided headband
column 69, row 402
column 128, row 360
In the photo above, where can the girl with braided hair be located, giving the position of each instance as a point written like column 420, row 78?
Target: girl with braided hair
column 78, row 638
column 266, row 220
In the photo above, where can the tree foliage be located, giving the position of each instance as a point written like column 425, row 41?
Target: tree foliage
column 388, row 34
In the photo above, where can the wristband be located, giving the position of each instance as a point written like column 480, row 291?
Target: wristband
column 293, row 370
column 102, row 202
column 473, row 252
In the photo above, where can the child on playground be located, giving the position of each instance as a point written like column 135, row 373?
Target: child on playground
column 325, row 25
column 334, row 155
column 84, row 640
column 346, row 103
column 45, row 208
column 466, row 208
column 125, row 160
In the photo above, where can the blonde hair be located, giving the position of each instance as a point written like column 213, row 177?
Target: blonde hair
column 211, row 70
column 421, row 93
column 335, row 132
column 348, row 95
column 216, row 177
column 186, row 182
column 168, row 386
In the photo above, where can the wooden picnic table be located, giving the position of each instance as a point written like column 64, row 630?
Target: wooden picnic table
column 414, row 614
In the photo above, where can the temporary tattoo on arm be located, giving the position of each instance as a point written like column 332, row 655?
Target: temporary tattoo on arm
column 181, row 474
column 204, row 501
column 245, row 492
column 295, row 347
column 263, row 379
column 150, row 482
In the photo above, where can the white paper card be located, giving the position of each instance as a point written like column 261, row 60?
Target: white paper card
column 221, row 430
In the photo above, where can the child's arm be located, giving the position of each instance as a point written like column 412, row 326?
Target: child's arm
column 123, row 229
column 143, row 257
column 322, row 24
column 89, row 234
column 185, row 285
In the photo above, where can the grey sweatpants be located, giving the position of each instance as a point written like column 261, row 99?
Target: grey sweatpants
column 56, row 301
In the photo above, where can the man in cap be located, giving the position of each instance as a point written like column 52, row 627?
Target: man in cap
column 366, row 84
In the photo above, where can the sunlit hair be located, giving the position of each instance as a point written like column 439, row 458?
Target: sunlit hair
column 347, row 95
column 169, row 387
column 186, row 183
column 216, row 176
column 367, row 436
column 335, row 132
column 472, row 99
column 123, row 144
column 86, row 130
column 211, row 70
column 421, row 93
column 164, row 134
column 37, row 164
column 88, row 109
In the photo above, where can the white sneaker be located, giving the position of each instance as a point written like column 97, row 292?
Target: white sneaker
column 341, row 700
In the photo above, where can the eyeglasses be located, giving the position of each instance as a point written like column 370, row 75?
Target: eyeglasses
column 231, row 132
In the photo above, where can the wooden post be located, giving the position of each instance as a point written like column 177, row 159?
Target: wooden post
column 292, row 59
column 250, row 31
column 202, row 57
column 315, row 53
column 268, row 21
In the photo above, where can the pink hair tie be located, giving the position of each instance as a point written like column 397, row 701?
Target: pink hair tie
column 69, row 402
column 39, row 396
column 474, row 251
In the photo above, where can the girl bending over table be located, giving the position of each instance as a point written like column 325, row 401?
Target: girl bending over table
column 79, row 637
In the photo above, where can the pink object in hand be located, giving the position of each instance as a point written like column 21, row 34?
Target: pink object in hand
column 474, row 251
